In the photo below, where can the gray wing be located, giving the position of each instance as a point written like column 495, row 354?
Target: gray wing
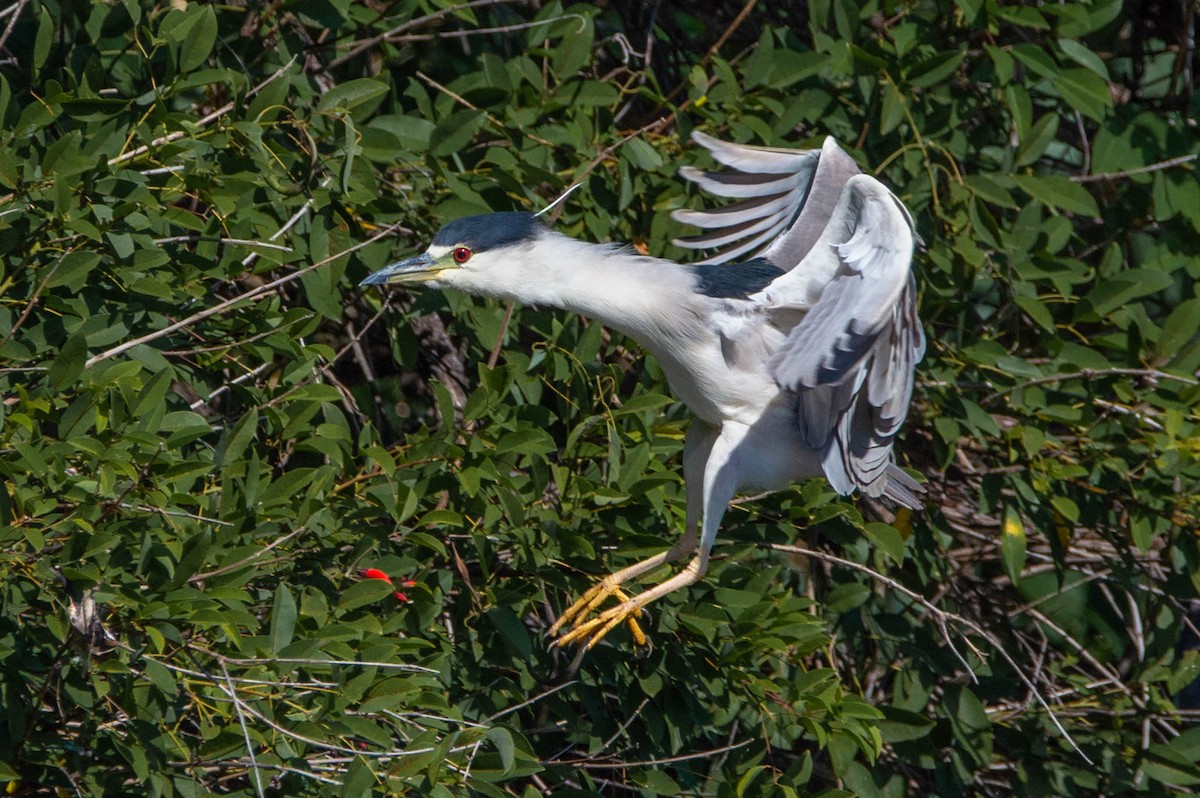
column 850, row 359
column 786, row 198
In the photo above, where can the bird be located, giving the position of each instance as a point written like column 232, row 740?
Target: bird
column 794, row 345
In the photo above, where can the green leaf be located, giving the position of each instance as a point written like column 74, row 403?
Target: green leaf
column 1059, row 192
column 1034, row 144
column 1038, row 59
column 73, row 269
column 936, row 68
column 198, row 44
column 574, row 50
column 970, row 724
column 67, row 367
column 283, row 619
column 456, row 131
column 1165, row 764
column 369, row 591
column 990, row 190
column 887, row 538
column 642, row 155
column 160, row 677
column 1066, row 507
column 1025, row 16
column 1012, row 544
column 352, row 93
column 748, row 778
column 1037, row 311
column 1120, row 289
column 514, row 632
column 891, row 111
column 846, row 597
column 1085, row 19
column 1085, row 91
column 656, row 782
column 900, row 725
column 1021, row 107
column 1081, row 55
column 1185, row 671
column 153, row 393
column 44, row 38
column 1179, row 329
column 359, row 779
column 761, row 60
column 503, row 740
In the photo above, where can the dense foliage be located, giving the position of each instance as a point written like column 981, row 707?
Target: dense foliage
column 207, row 429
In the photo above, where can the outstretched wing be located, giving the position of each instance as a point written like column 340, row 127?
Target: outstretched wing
column 786, row 200
column 850, row 358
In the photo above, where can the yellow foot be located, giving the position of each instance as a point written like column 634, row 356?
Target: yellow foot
column 593, row 598
column 589, row 633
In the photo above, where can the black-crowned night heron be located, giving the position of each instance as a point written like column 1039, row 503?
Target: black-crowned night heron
column 797, row 363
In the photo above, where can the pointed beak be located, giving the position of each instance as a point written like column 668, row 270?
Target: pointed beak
column 417, row 269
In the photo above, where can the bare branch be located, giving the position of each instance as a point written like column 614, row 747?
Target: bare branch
column 221, row 307
column 1170, row 163
column 237, row 706
column 1091, row 374
column 204, row 121
column 943, row 617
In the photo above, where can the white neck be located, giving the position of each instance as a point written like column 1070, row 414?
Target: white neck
column 640, row 296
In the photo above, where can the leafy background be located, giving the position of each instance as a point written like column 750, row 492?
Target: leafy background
column 207, row 428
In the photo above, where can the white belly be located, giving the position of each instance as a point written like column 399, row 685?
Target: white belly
column 771, row 453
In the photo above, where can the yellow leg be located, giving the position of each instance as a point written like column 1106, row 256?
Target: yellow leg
column 701, row 502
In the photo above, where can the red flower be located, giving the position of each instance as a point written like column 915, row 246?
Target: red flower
column 375, row 573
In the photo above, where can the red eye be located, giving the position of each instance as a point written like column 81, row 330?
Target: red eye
column 461, row 254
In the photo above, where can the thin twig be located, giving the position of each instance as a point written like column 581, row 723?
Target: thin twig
column 1090, row 374
column 494, row 355
column 203, row 121
column 451, row 34
column 943, row 616
column 246, row 560
column 527, row 702
column 458, row 98
column 30, row 304
column 1105, row 670
column 145, row 508
column 237, row 706
column 657, row 126
column 221, row 307
column 359, row 47
column 624, row 725
column 733, row 26
column 244, row 242
column 587, row 764
column 15, row 10
column 249, row 375
column 288, row 225
column 15, row 7
column 403, row 666
column 1137, row 170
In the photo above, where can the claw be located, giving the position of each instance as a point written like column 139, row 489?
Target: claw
column 593, row 598
column 589, row 633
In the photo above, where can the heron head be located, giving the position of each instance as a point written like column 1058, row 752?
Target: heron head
column 461, row 251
